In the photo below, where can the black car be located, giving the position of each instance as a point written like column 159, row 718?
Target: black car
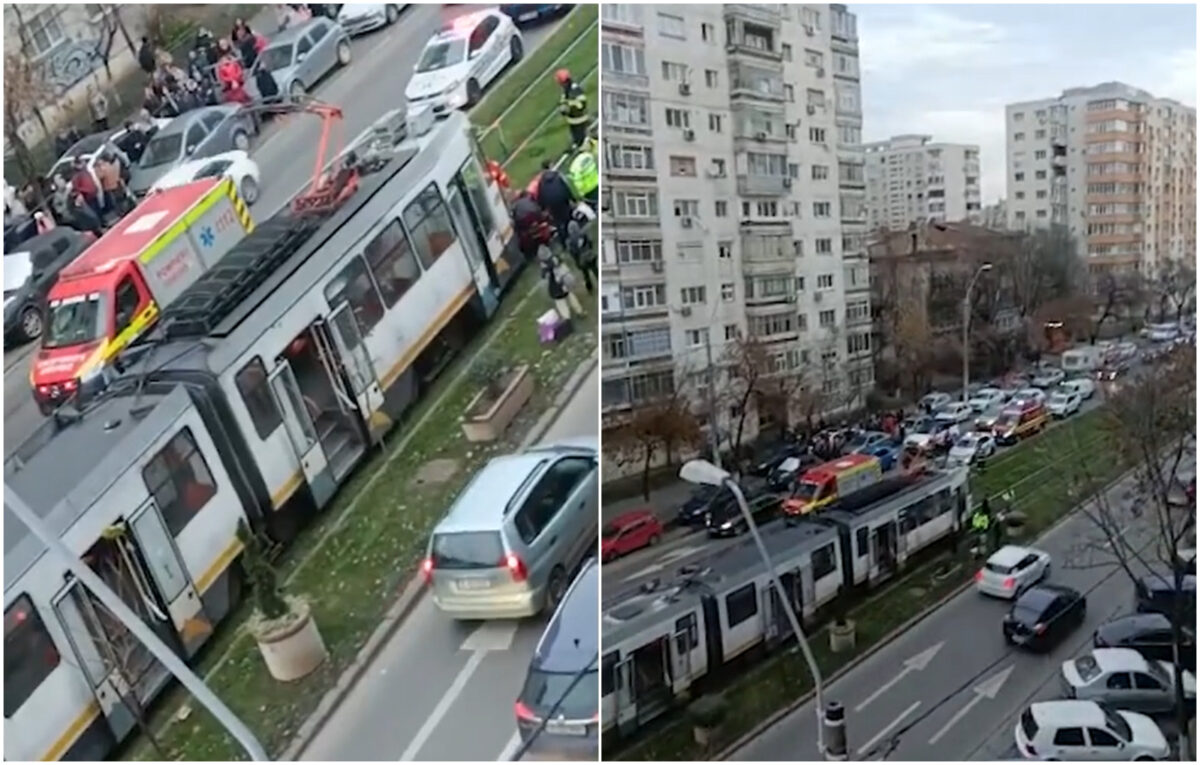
column 562, row 685
column 30, row 272
column 769, row 457
column 691, row 513
column 18, row 229
column 725, row 519
column 784, row 475
column 532, row 13
column 1153, row 594
column 1149, row 635
column 1043, row 615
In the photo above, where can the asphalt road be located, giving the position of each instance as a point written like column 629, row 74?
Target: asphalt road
column 442, row 690
column 373, row 83
column 953, row 677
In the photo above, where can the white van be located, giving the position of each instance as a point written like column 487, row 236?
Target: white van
column 1083, row 360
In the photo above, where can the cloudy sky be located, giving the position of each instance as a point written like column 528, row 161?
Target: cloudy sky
column 949, row 70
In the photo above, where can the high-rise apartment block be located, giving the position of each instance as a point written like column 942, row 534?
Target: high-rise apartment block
column 911, row 180
column 733, row 198
column 1114, row 164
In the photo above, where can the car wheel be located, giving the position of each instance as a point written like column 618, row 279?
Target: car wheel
column 1143, row 758
column 391, row 13
column 653, row 540
column 516, row 48
column 474, row 92
column 1045, row 573
column 31, row 323
column 343, row 53
column 296, row 91
column 241, row 141
column 249, row 190
column 556, row 587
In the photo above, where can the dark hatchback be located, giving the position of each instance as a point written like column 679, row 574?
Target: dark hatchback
column 1044, row 615
column 562, row 687
column 30, row 272
column 1149, row 635
column 694, row 508
column 769, row 457
column 725, row 519
column 1153, row 595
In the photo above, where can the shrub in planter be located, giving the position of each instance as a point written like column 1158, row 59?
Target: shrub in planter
column 707, row 713
column 503, row 390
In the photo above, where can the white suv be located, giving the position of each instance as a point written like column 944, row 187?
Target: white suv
column 1085, row 730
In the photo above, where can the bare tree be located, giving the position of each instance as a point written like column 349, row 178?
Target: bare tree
column 1173, row 288
column 1145, row 532
column 658, row 426
column 912, row 340
column 24, row 91
column 1046, row 267
column 747, row 365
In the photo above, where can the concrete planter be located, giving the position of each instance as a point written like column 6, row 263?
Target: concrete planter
column 489, row 424
column 292, row 646
column 841, row 636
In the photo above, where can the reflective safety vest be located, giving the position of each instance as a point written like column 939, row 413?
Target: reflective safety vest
column 980, row 522
column 574, row 104
column 583, row 174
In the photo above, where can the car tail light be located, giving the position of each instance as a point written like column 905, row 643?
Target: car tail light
column 979, row 575
column 1009, row 582
column 1039, row 628
column 516, row 567
column 427, row 568
column 524, row 712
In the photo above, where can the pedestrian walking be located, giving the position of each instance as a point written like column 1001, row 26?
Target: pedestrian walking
column 145, row 56
column 559, row 281
column 573, row 106
column 98, row 105
column 108, row 171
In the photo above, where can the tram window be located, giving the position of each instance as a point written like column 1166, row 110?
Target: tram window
column 354, row 286
column 256, row 395
column 429, row 221
column 608, row 673
column 822, row 562
column 472, row 178
column 741, row 604
column 392, row 263
column 180, row 481
column 29, row 654
column 686, row 636
column 862, row 541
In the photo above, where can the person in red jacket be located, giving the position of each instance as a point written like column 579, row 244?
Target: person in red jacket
column 84, row 184
column 232, row 77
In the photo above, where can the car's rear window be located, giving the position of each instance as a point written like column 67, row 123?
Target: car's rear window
column 996, row 568
column 1028, row 725
column 468, row 549
column 544, row 689
column 1087, row 668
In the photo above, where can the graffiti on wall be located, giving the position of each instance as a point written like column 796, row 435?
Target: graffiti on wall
column 66, row 65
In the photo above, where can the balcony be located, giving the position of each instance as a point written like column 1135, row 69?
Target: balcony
column 1108, row 239
column 754, row 13
column 770, row 301
column 763, row 185
column 1113, row 114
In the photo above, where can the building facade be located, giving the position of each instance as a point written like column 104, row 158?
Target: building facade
column 733, row 197
column 995, row 216
column 910, row 179
column 1112, row 163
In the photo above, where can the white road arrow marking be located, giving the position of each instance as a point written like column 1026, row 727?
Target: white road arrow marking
column 862, row 750
column 491, row 636
column 985, row 690
column 664, row 561
column 915, row 664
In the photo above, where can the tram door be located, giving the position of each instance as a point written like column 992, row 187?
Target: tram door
column 626, row 706
column 356, row 359
column 473, row 236
column 170, row 578
column 302, row 432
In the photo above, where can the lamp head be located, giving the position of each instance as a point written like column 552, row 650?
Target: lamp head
column 702, row 472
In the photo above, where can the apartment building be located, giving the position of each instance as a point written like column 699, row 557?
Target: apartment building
column 995, row 216
column 910, row 179
column 733, row 198
column 1114, row 164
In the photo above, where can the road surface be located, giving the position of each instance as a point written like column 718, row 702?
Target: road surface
column 371, row 85
column 441, row 690
column 954, row 675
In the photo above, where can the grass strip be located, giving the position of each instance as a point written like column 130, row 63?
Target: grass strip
column 537, row 65
column 782, row 678
column 550, row 141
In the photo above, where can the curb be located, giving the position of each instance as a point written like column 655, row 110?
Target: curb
column 887, row 639
column 410, row 596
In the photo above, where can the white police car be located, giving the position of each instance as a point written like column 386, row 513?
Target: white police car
column 462, row 59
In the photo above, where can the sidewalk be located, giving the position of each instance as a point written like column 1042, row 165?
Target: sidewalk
column 665, row 502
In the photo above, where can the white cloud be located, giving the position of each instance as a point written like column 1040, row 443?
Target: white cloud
column 930, row 37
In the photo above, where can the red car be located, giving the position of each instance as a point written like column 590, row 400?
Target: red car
column 628, row 532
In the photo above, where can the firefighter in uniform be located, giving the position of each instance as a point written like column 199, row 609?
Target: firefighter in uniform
column 584, row 177
column 573, row 106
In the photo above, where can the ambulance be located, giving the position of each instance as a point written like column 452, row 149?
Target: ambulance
column 114, row 292
column 825, row 483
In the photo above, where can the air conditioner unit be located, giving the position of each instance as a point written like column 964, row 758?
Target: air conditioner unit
column 820, row 72
column 656, row 266
column 686, row 221
column 685, row 89
column 689, row 134
column 787, row 183
column 760, row 136
column 685, row 311
column 811, row 109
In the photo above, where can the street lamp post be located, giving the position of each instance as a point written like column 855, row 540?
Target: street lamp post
column 966, row 319
column 704, row 472
column 182, row 672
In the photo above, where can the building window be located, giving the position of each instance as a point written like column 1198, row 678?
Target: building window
column 724, row 250
column 1041, row 194
column 252, row 384
column 1018, row 136
column 706, row 32
column 1039, row 154
column 820, row 172
column 622, row 13
column 42, row 31
column 827, row 318
column 822, row 209
column 673, row 72
column 392, row 263
column 823, row 562
column 354, row 285
column 731, row 332
column 824, row 281
column 814, row 58
column 710, row 78
column 741, row 604
column 29, row 653
column 621, row 156
column 671, row 26
column 692, row 295
column 789, row 93
column 429, row 222
column 687, row 208
column 635, row 204
column 622, row 59
column 677, row 118
column 727, row 292
column 714, row 123
column 798, row 248
column 859, row 342
column 1039, row 134
column 639, row 250
column 816, row 135
column 721, row 208
column 1040, row 175
column 1018, row 116
column 179, row 480
column 626, row 109
column 1019, row 176
column 787, row 52
column 824, row 246
column 644, row 296
column 683, row 167
column 696, row 338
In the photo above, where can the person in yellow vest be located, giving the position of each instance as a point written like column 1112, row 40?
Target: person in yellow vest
column 573, row 107
column 584, row 177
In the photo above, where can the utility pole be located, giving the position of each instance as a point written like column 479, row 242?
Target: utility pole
column 176, row 666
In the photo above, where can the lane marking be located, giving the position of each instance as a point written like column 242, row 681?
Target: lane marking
column 914, row 664
column 862, row 750
column 514, row 743
column 443, row 706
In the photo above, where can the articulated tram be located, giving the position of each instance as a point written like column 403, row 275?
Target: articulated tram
column 672, row 637
column 264, row 385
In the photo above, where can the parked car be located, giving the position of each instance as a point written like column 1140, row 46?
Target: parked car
column 1085, row 730
column 1155, row 593
column 863, row 440
column 971, row 447
column 236, row 165
column 786, row 472
column 507, row 546
column 955, row 413
column 1084, row 386
column 930, row 433
column 888, row 454
column 198, row 134
column 558, row 708
column 986, row 398
column 725, row 519
column 628, row 532
column 1047, row 377
column 1043, row 615
column 691, row 512
column 1036, row 395
column 1113, row 369
column 1011, row 570
column 461, row 60
column 90, row 148
column 359, row 18
column 1063, row 403
column 987, row 420
column 1149, row 634
column 769, row 456
column 300, row 56
column 30, row 272
column 932, row 402
column 532, row 13
column 1124, row 679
